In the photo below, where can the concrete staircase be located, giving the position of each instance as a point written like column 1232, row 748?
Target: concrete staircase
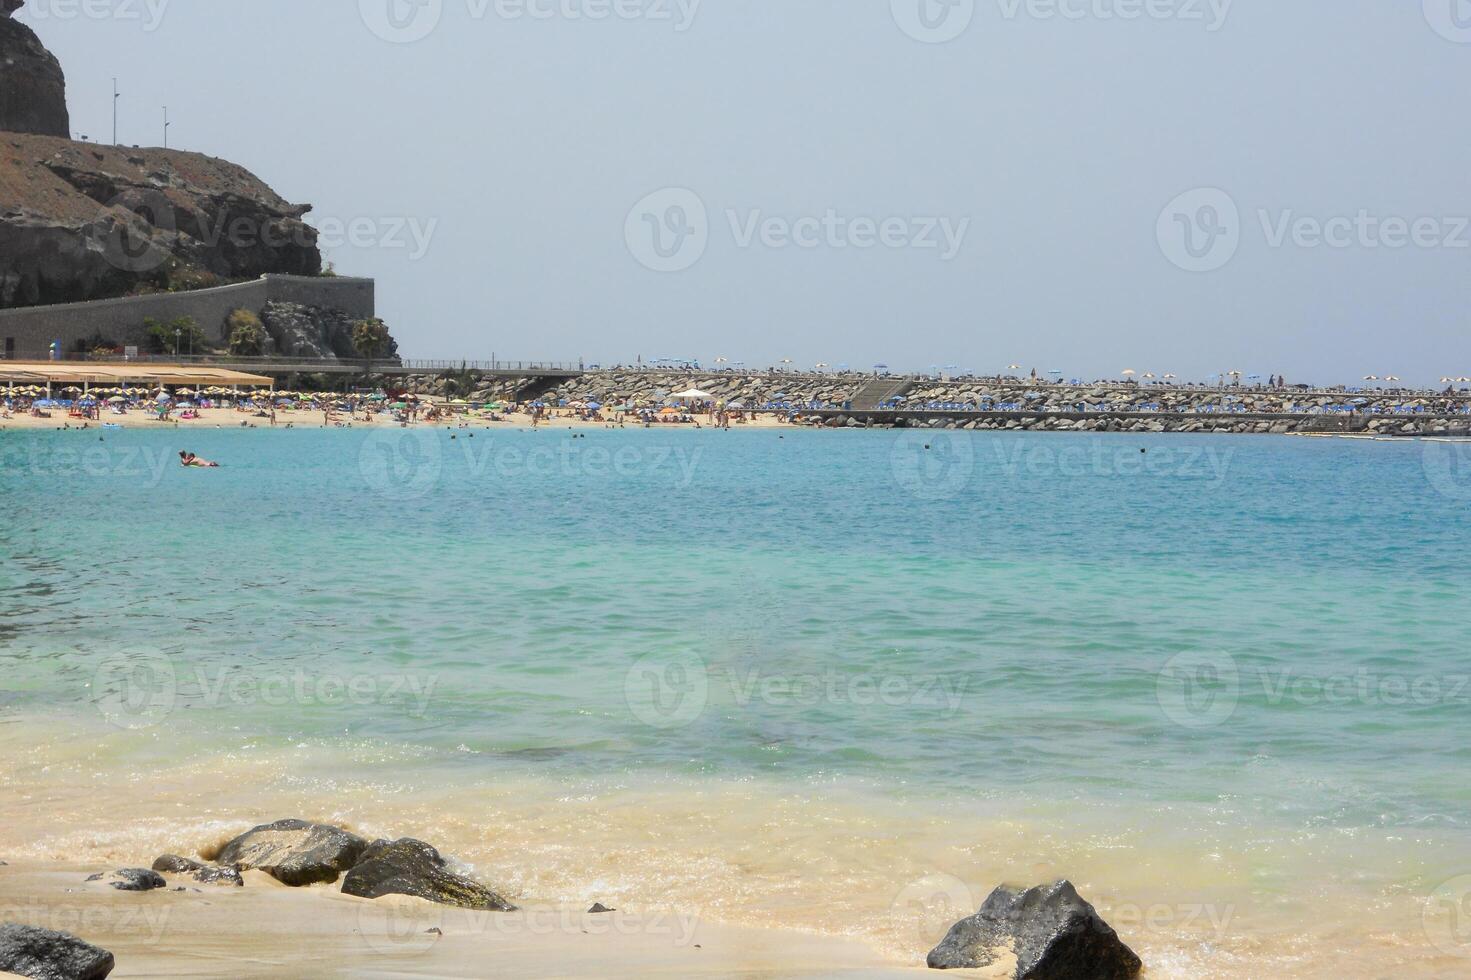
column 878, row 391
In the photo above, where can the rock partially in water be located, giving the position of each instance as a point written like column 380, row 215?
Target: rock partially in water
column 412, row 867
column 1043, row 933
column 133, row 880
column 599, row 908
column 44, row 954
column 173, row 864
column 218, row 876
column 207, row 874
column 294, row 852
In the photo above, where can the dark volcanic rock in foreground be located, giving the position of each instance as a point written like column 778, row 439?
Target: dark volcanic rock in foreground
column 1050, row 932
column 412, row 867
column 174, row 864
column 44, row 954
column 32, row 84
column 294, row 852
column 136, row 880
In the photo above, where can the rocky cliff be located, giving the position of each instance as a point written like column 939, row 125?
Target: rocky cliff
column 80, row 221
column 32, row 86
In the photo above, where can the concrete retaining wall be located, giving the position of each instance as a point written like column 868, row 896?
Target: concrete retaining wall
column 29, row 331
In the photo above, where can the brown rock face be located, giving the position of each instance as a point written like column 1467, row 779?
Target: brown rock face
column 32, row 85
column 80, row 221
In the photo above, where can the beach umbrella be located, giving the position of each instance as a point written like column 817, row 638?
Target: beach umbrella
column 117, row 400
column 1129, row 372
column 594, row 406
column 1371, row 377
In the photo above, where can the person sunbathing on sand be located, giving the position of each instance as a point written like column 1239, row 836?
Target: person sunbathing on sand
column 189, row 459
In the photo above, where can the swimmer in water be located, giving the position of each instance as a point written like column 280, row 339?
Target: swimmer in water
column 189, row 459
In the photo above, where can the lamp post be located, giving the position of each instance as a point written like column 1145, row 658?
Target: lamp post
column 165, row 127
column 115, row 95
column 177, row 333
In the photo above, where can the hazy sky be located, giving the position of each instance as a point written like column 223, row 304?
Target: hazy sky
column 914, row 182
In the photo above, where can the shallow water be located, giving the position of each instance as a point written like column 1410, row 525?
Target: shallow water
column 846, row 680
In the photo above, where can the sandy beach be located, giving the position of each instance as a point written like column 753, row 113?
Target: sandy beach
column 229, row 418
column 267, row 929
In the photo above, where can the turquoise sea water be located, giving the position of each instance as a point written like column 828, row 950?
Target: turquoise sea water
column 1271, row 632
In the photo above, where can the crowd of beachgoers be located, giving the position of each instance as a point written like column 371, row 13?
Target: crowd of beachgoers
column 726, row 399
column 69, row 408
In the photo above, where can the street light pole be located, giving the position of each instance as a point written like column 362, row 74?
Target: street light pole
column 177, row 332
column 115, row 95
column 165, row 127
